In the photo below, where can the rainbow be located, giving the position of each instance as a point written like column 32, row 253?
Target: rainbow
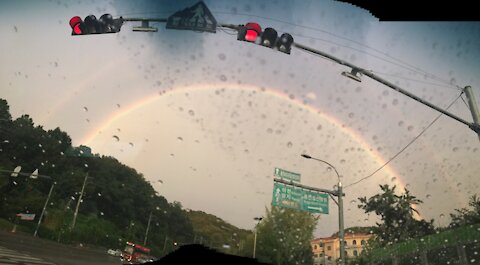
column 125, row 111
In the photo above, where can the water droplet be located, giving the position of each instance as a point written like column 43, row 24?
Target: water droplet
column 99, row 194
column 223, row 78
column 222, row 56
column 180, row 139
column 172, row 155
column 131, row 144
column 400, row 123
column 342, row 161
column 410, row 128
column 319, row 127
column 246, row 151
column 269, row 130
column 116, row 138
column 86, row 165
column 85, row 109
column 428, row 196
column 289, row 144
column 351, row 115
column 395, row 102
column 455, row 149
column 394, row 178
column 101, row 213
column 191, row 112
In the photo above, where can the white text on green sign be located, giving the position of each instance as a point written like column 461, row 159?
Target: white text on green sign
column 300, row 199
column 286, row 174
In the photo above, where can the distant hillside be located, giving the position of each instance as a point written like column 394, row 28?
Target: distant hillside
column 214, row 232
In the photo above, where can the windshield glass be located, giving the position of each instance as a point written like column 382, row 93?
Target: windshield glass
column 292, row 132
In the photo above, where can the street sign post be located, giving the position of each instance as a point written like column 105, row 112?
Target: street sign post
column 296, row 198
column 286, row 174
column 197, row 18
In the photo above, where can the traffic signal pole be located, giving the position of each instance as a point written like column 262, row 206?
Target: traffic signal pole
column 472, row 103
column 475, row 126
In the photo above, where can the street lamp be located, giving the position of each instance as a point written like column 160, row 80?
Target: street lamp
column 34, row 175
column 258, row 219
column 340, row 208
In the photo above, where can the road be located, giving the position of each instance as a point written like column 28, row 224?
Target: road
column 23, row 249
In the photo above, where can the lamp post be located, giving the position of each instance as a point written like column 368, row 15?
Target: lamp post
column 34, row 175
column 258, row 219
column 341, row 233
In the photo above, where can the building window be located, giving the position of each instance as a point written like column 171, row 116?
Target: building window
column 315, row 247
column 321, row 244
column 362, row 242
column 329, row 258
column 321, row 255
column 355, row 253
column 329, row 248
column 354, row 242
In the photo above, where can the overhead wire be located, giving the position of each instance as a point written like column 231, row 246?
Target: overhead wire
column 408, row 66
column 405, row 147
column 400, row 63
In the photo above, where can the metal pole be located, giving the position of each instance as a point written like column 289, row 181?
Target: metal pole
column 43, row 211
column 472, row 103
column 148, row 226
column 341, row 224
column 255, row 243
column 78, row 203
column 387, row 83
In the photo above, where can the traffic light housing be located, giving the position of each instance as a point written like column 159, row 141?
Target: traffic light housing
column 252, row 32
column 91, row 25
column 249, row 32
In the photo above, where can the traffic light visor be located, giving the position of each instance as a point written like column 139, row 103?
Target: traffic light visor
column 74, row 21
column 253, row 30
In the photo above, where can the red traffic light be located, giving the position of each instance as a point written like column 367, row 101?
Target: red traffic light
column 253, row 30
column 92, row 25
column 249, row 32
column 78, row 28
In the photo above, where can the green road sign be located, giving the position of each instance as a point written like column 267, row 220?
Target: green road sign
column 286, row 174
column 300, row 199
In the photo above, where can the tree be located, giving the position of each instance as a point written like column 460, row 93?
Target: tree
column 283, row 237
column 466, row 216
column 397, row 216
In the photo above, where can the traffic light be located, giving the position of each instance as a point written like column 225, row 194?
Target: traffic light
column 268, row 38
column 92, row 25
column 249, row 32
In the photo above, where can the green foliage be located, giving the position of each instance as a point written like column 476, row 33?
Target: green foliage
column 465, row 216
column 215, row 232
column 397, row 216
column 435, row 243
column 117, row 201
column 284, row 235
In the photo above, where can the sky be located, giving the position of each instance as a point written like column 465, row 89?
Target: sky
column 206, row 118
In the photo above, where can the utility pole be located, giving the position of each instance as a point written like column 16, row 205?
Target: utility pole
column 148, row 226
column 78, row 203
column 472, row 103
column 44, row 208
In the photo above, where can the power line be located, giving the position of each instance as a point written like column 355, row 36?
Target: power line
column 403, row 149
column 411, row 67
column 416, row 80
column 405, row 65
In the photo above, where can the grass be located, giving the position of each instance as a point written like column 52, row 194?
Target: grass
column 450, row 238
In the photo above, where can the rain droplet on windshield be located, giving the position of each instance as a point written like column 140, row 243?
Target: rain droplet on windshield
column 410, row 128
column 191, row 112
column 85, row 109
column 180, row 139
column 116, row 138
column 289, row 144
column 222, row 56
